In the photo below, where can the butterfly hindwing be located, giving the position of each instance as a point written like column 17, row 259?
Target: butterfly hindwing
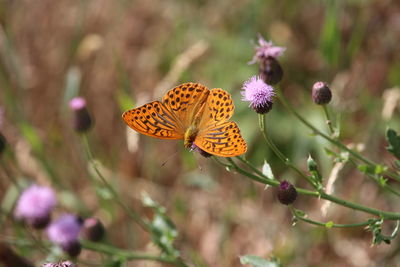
column 154, row 119
column 222, row 139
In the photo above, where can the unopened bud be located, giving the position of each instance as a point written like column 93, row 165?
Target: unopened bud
column 92, row 229
column 81, row 117
column 287, row 193
column 321, row 94
column 270, row 70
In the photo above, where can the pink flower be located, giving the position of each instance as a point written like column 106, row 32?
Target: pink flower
column 259, row 94
column 35, row 205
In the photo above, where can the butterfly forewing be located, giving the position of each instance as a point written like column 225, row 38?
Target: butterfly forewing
column 154, row 119
column 224, row 139
column 185, row 101
column 219, row 108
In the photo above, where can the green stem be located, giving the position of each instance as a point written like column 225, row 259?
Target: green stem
column 328, row 119
column 331, row 140
column 136, row 217
column 125, row 254
column 333, row 225
column 383, row 214
column 278, row 153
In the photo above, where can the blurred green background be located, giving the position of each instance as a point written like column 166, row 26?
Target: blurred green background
column 120, row 54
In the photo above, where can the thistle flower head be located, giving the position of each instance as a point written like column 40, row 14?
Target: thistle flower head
column 60, row 264
column 64, row 232
column 35, row 205
column 259, row 94
column 266, row 49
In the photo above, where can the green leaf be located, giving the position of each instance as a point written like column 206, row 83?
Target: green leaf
column 267, row 171
column 394, row 142
column 313, row 169
column 256, row 261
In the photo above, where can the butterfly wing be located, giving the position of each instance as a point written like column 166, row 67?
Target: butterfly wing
column 185, row 101
column 154, row 119
column 217, row 135
column 223, row 139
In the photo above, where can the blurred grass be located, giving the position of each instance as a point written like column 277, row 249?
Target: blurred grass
column 350, row 44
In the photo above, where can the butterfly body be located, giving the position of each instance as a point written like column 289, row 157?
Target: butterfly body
column 195, row 114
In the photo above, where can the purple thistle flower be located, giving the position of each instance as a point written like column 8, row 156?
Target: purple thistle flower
column 265, row 50
column 64, row 232
column 35, row 205
column 82, row 120
column 259, row 94
column 60, row 264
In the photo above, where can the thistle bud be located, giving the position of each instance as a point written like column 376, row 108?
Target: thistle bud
column 270, row 70
column 321, row 94
column 81, row 117
column 92, row 229
column 72, row 248
column 287, row 193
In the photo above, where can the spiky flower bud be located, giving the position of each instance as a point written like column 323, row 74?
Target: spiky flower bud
column 321, row 93
column 287, row 193
column 82, row 120
column 270, row 70
column 92, row 229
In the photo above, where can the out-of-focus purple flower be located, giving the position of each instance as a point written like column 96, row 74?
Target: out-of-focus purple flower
column 64, row 232
column 35, row 205
column 92, row 229
column 205, row 154
column 259, row 94
column 60, row 264
column 82, row 120
column 266, row 49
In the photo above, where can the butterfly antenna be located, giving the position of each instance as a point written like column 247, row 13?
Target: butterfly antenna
column 172, row 155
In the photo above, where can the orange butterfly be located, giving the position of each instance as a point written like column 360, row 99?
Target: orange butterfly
column 195, row 114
